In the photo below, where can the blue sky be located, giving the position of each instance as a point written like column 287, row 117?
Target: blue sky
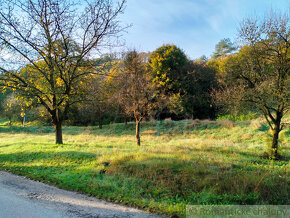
column 195, row 26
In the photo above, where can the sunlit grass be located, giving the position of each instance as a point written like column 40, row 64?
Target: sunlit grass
column 178, row 163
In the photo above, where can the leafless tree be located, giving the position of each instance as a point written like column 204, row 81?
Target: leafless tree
column 135, row 91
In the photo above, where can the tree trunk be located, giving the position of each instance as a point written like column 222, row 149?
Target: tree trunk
column 93, row 118
column 138, row 132
column 58, row 133
column 101, row 122
column 275, row 139
column 274, row 147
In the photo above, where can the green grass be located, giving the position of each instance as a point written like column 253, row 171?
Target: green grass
column 178, row 163
column 239, row 118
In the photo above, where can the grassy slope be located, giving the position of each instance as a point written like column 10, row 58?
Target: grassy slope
column 179, row 163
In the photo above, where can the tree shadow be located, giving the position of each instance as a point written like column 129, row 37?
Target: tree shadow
column 28, row 157
column 158, row 178
column 235, row 181
column 8, row 145
column 119, row 129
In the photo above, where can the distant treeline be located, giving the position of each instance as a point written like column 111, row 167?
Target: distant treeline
column 165, row 82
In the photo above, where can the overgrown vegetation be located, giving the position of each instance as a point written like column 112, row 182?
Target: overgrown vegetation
column 51, row 72
column 180, row 163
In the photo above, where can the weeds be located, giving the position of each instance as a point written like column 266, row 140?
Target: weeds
column 179, row 163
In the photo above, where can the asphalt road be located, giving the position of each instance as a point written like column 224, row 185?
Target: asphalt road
column 23, row 198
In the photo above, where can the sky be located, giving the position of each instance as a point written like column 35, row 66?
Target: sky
column 195, row 26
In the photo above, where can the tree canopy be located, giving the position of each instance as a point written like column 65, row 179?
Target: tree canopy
column 168, row 67
column 224, row 47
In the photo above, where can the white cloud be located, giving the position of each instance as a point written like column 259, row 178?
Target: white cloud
column 194, row 25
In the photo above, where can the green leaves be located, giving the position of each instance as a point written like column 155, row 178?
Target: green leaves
column 168, row 64
column 223, row 48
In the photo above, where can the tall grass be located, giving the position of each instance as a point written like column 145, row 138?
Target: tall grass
column 178, row 163
column 238, row 118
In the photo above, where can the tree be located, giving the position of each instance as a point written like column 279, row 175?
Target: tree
column 12, row 107
column 198, row 84
column 258, row 75
column 97, row 105
column 168, row 66
column 224, row 47
column 135, row 91
column 99, row 101
column 55, row 39
column 3, row 96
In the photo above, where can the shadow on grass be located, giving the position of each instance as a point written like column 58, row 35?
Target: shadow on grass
column 8, row 145
column 31, row 130
column 122, row 190
column 75, row 205
column 250, row 156
column 163, row 180
column 119, row 129
column 238, row 183
column 28, row 157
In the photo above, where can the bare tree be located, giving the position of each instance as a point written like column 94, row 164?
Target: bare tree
column 56, row 39
column 135, row 91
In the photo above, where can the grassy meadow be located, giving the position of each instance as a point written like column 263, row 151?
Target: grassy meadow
column 178, row 162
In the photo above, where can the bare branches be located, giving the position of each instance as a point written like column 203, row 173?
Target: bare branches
column 135, row 93
column 56, row 39
column 274, row 25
